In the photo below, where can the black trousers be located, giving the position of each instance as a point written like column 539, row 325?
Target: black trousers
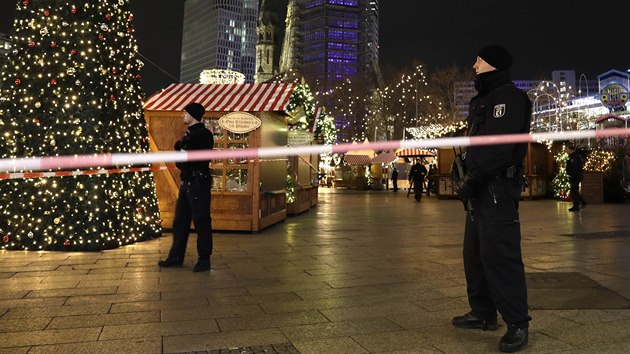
column 575, row 192
column 417, row 188
column 493, row 264
column 193, row 203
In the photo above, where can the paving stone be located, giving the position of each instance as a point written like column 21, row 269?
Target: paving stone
column 159, row 329
column 108, row 319
column 217, row 341
column 137, row 345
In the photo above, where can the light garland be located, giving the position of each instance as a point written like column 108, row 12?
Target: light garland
column 561, row 184
column 221, row 76
column 71, row 85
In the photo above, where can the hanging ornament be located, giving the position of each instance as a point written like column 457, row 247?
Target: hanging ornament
column 104, row 27
column 121, row 2
column 130, row 18
column 53, row 82
column 46, row 13
column 74, row 9
column 77, row 121
column 31, row 44
column 114, row 71
column 43, row 31
column 71, row 71
column 6, row 239
column 78, row 82
column 41, row 62
column 108, row 17
column 128, row 67
column 73, row 52
column 53, row 143
column 138, row 76
column 53, row 44
column 65, row 24
column 66, row 243
column 18, row 81
column 158, row 221
column 101, row 37
column 129, row 30
column 57, row 221
column 32, row 24
column 25, row 2
column 112, row 98
column 140, row 210
column 30, row 234
column 38, row 104
column 36, row 121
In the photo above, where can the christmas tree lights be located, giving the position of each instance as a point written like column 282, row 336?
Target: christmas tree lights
column 561, row 184
column 71, row 86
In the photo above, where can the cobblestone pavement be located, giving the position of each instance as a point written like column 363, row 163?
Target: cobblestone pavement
column 363, row 272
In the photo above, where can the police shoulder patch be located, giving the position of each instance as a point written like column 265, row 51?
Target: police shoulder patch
column 499, row 110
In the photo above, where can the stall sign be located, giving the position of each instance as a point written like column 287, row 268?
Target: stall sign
column 299, row 137
column 614, row 96
column 239, row 122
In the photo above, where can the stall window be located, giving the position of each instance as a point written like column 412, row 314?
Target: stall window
column 232, row 174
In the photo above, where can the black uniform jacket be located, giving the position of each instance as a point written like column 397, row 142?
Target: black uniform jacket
column 499, row 108
column 196, row 138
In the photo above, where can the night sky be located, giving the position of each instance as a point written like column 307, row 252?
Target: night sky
column 543, row 35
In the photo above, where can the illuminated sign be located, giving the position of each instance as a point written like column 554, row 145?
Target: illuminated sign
column 239, row 122
column 614, row 96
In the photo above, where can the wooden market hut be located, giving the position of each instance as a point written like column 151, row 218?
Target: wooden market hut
column 247, row 195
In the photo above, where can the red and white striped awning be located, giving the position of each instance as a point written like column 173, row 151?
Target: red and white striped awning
column 223, row 98
column 413, row 152
column 357, row 159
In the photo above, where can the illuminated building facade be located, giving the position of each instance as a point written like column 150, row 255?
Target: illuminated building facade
column 219, row 34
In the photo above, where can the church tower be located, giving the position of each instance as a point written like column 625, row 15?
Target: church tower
column 289, row 58
column 267, row 55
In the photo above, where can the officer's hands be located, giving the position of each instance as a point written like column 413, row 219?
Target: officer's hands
column 467, row 187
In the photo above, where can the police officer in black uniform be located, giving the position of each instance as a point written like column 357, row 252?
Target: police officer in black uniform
column 193, row 201
column 416, row 174
column 493, row 179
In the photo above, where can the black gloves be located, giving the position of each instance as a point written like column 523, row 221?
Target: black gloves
column 467, row 187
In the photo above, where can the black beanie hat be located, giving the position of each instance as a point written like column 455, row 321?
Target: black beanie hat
column 496, row 56
column 195, row 110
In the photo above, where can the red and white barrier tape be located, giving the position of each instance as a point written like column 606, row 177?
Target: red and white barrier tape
column 103, row 160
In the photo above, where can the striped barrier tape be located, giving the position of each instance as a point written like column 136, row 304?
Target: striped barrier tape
column 100, row 161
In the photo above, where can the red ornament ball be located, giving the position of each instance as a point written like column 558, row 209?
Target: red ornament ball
column 108, row 17
column 53, row 82
column 74, row 9
column 128, row 29
column 46, row 13
column 53, row 44
column 31, row 44
column 6, row 239
column 114, row 71
column 18, row 81
column 101, row 37
column 159, row 221
column 112, row 98
column 36, row 121
column 66, row 243
column 130, row 18
column 73, row 52
column 138, row 76
column 25, row 2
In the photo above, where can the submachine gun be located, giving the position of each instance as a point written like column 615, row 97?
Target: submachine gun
column 458, row 171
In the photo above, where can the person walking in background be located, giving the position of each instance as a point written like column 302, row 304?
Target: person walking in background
column 432, row 180
column 395, row 179
column 193, row 201
column 490, row 189
column 417, row 174
column 575, row 170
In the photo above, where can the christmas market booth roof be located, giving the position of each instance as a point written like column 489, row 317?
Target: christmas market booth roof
column 385, row 157
column 357, row 159
column 223, row 98
column 413, row 152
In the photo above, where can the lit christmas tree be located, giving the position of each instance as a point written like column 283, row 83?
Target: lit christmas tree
column 561, row 184
column 71, row 86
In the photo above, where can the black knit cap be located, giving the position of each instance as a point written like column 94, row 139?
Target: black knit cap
column 195, row 110
column 496, row 56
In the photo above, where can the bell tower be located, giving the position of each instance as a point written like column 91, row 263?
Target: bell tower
column 267, row 55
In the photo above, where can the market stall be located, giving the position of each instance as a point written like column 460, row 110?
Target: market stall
column 247, row 195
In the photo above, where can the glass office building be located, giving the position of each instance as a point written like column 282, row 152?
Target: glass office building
column 219, row 34
column 339, row 40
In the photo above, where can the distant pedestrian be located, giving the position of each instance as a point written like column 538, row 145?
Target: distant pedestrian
column 193, row 201
column 416, row 175
column 575, row 170
column 395, row 179
column 432, row 180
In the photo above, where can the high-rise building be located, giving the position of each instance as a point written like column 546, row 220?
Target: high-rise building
column 339, row 40
column 219, row 34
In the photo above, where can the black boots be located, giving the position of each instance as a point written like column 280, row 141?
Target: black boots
column 514, row 339
column 169, row 262
column 201, row 266
column 468, row 321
